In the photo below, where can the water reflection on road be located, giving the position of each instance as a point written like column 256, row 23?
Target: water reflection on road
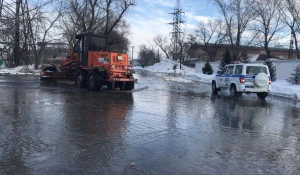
column 161, row 127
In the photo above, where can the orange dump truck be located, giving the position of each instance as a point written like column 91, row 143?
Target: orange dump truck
column 91, row 66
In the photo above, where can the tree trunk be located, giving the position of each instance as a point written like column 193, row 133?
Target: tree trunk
column 266, row 44
column 17, row 35
column 296, row 44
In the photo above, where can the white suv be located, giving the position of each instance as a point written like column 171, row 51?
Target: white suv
column 243, row 78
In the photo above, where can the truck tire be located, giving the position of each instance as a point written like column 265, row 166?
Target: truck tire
column 80, row 81
column 261, row 80
column 109, row 85
column 129, row 86
column 120, row 85
column 94, row 82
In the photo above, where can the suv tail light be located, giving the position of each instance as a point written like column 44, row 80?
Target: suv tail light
column 242, row 80
column 270, row 81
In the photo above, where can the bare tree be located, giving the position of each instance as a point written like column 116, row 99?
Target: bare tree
column 39, row 26
column 19, row 26
column 96, row 16
column 162, row 43
column 211, row 34
column 17, row 34
column 46, row 28
column 146, row 55
column 289, row 11
column 191, row 47
column 268, row 20
column 237, row 14
column 117, row 38
column 8, row 32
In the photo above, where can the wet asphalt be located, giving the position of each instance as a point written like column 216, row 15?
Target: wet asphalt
column 161, row 127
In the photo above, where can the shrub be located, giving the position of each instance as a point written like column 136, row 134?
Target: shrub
column 175, row 66
column 207, row 69
column 295, row 77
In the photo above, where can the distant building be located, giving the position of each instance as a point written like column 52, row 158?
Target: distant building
column 245, row 51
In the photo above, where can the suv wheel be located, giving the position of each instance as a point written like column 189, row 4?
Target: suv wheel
column 214, row 88
column 262, row 95
column 233, row 92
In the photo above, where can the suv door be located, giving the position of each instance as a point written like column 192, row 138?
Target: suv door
column 221, row 77
column 228, row 76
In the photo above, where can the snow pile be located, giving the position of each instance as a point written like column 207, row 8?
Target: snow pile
column 167, row 66
column 169, row 70
column 253, row 58
column 285, row 89
column 203, row 78
column 164, row 69
column 20, row 70
column 174, row 78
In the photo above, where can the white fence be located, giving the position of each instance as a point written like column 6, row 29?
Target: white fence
column 284, row 68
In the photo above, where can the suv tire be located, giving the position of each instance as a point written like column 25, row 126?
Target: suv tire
column 214, row 88
column 262, row 95
column 233, row 92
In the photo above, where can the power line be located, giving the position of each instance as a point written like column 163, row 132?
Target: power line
column 176, row 23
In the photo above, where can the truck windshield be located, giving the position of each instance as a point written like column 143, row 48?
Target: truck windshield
column 96, row 43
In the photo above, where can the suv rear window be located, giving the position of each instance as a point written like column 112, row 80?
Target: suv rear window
column 254, row 70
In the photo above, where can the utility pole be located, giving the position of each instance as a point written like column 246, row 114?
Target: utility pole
column 176, row 30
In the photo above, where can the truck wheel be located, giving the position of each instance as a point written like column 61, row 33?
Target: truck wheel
column 80, row 81
column 109, row 86
column 94, row 82
column 129, row 86
column 120, row 85
column 262, row 95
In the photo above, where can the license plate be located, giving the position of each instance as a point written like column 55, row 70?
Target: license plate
column 248, row 79
column 249, row 86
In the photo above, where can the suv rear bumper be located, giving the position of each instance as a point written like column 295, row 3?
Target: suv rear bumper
column 253, row 89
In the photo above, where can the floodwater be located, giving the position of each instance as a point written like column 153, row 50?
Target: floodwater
column 159, row 128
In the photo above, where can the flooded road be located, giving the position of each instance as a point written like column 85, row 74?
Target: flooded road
column 161, row 127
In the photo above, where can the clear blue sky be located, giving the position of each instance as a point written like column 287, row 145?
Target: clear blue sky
column 150, row 17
